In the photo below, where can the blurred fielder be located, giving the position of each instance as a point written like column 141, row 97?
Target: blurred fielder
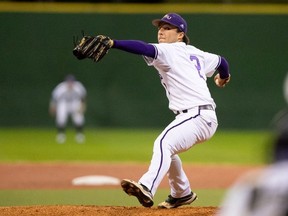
column 263, row 192
column 69, row 100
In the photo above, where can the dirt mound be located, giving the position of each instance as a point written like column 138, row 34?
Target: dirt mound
column 105, row 211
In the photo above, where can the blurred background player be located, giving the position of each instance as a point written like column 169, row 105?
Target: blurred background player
column 263, row 192
column 69, row 100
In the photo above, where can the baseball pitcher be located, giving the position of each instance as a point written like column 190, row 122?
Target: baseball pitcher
column 183, row 71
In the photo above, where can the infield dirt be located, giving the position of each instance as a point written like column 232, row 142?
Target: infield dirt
column 53, row 176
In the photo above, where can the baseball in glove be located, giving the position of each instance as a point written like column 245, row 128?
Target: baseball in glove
column 93, row 47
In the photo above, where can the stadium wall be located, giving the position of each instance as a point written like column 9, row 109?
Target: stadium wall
column 36, row 54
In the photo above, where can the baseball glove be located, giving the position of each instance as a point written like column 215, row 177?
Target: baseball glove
column 93, row 47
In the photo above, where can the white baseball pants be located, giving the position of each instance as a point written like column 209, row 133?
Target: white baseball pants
column 187, row 129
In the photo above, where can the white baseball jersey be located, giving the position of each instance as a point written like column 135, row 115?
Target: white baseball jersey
column 185, row 83
column 67, row 98
column 62, row 92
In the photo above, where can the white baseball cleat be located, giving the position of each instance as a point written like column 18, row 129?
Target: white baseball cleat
column 142, row 193
column 80, row 138
column 172, row 202
column 61, row 138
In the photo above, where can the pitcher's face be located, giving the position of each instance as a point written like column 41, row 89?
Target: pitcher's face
column 169, row 34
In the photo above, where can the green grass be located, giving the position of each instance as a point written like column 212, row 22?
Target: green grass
column 119, row 145
column 100, row 197
column 124, row 145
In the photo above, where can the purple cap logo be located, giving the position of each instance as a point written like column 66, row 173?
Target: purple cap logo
column 173, row 19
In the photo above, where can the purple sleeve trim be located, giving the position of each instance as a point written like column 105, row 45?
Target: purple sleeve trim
column 136, row 47
column 223, row 68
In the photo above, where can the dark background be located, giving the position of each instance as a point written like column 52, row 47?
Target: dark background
column 36, row 54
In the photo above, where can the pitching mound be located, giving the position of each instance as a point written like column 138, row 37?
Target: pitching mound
column 105, row 211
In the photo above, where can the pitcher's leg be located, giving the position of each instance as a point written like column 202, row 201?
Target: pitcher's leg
column 178, row 180
column 177, row 137
column 159, row 166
